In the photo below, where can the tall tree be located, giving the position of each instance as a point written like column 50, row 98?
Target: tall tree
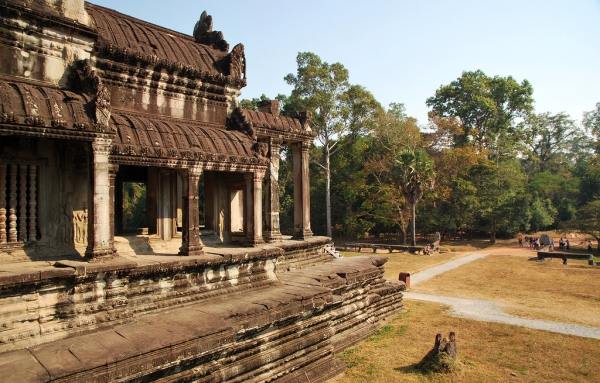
column 486, row 106
column 548, row 139
column 414, row 173
column 341, row 111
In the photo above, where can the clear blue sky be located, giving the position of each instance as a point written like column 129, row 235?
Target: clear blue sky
column 403, row 50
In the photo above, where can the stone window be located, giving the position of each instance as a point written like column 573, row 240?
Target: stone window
column 18, row 202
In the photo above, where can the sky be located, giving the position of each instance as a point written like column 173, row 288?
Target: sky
column 404, row 50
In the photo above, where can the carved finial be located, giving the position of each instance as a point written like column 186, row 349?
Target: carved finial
column 203, row 26
column 305, row 118
column 237, row 64
column 203, row 33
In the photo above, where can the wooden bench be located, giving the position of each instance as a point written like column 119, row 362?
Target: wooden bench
column 564, row 256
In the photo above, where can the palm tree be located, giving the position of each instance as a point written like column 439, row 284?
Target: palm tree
column 413, row 172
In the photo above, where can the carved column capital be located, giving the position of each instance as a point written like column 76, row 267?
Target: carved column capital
column 101, row 146
column 113, row 169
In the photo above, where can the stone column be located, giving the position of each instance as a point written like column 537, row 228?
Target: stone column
column 253, row 209
column 190, row 230
column 301, row 191
column 100, row 243
column 3, row 172
column 272, row 230
column 32, row 203
column 12, row 203
column 112, row 175
column 22, row 226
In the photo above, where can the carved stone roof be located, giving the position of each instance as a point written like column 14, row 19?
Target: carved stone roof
column 260, row 124
column 144, row 40
column 44, row 107
column 147, row 137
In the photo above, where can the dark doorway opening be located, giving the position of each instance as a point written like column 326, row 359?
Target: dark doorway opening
column 134, row 206
column 131, row 200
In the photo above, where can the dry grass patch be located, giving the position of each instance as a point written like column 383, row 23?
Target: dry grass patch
column 409, row 263
column 487, row 352
column 532, row 289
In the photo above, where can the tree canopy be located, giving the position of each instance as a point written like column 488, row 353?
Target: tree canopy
column 497, row 166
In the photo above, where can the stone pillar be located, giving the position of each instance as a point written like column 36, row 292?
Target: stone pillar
column 272, row 230
column 22, row 231
column 3, row 236
column 100, row 243
column 167, row 211
column 253, row 209
column 152, row 200
column 190, row 229
column 301, row 191
column 32, row 202
column 112, row 175
column 12, row 203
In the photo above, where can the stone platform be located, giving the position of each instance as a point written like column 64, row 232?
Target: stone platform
column 274, row 313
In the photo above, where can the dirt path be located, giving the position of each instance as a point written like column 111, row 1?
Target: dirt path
column 488, row 311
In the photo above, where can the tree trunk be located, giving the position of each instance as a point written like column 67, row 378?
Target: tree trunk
column 328, row 190
column 413, row 241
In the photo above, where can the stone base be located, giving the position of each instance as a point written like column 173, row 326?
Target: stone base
column 270, row 314
column 100, row 253
column 272, row 236
column 254, row 241
column 191, row 250
column 303, row 234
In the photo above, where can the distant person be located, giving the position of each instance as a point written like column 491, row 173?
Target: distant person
column 568, row 245
column 561, row 244
column 520, row 241
column 589, row 246
column 551, row 246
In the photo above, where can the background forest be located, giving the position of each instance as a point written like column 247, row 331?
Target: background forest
column 499, row 166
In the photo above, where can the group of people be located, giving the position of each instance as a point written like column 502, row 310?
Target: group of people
column 536, row 245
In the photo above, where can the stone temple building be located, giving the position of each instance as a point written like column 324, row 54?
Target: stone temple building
column 92, row 99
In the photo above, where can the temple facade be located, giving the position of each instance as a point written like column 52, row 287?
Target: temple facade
column 92, row 99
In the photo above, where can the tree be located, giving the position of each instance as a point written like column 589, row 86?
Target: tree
column 588, row 220
column 484, row 105
column 414, row 173
column 591, row 120
column 340, row 111
column 548, row 139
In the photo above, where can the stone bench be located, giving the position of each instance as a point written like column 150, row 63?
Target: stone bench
column 389, row 248
column 564, row 256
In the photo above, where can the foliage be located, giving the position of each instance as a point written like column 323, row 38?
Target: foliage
column 341, row 111
column 413, row 173
column 500, row 167
column 134, row 205
column 486, row 106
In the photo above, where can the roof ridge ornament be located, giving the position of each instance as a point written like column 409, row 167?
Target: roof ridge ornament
column 203, row 33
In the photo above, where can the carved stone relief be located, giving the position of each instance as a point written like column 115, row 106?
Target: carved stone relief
column 80, row 221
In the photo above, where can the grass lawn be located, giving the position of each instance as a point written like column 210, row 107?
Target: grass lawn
column 532, row 289
column 488, row 352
